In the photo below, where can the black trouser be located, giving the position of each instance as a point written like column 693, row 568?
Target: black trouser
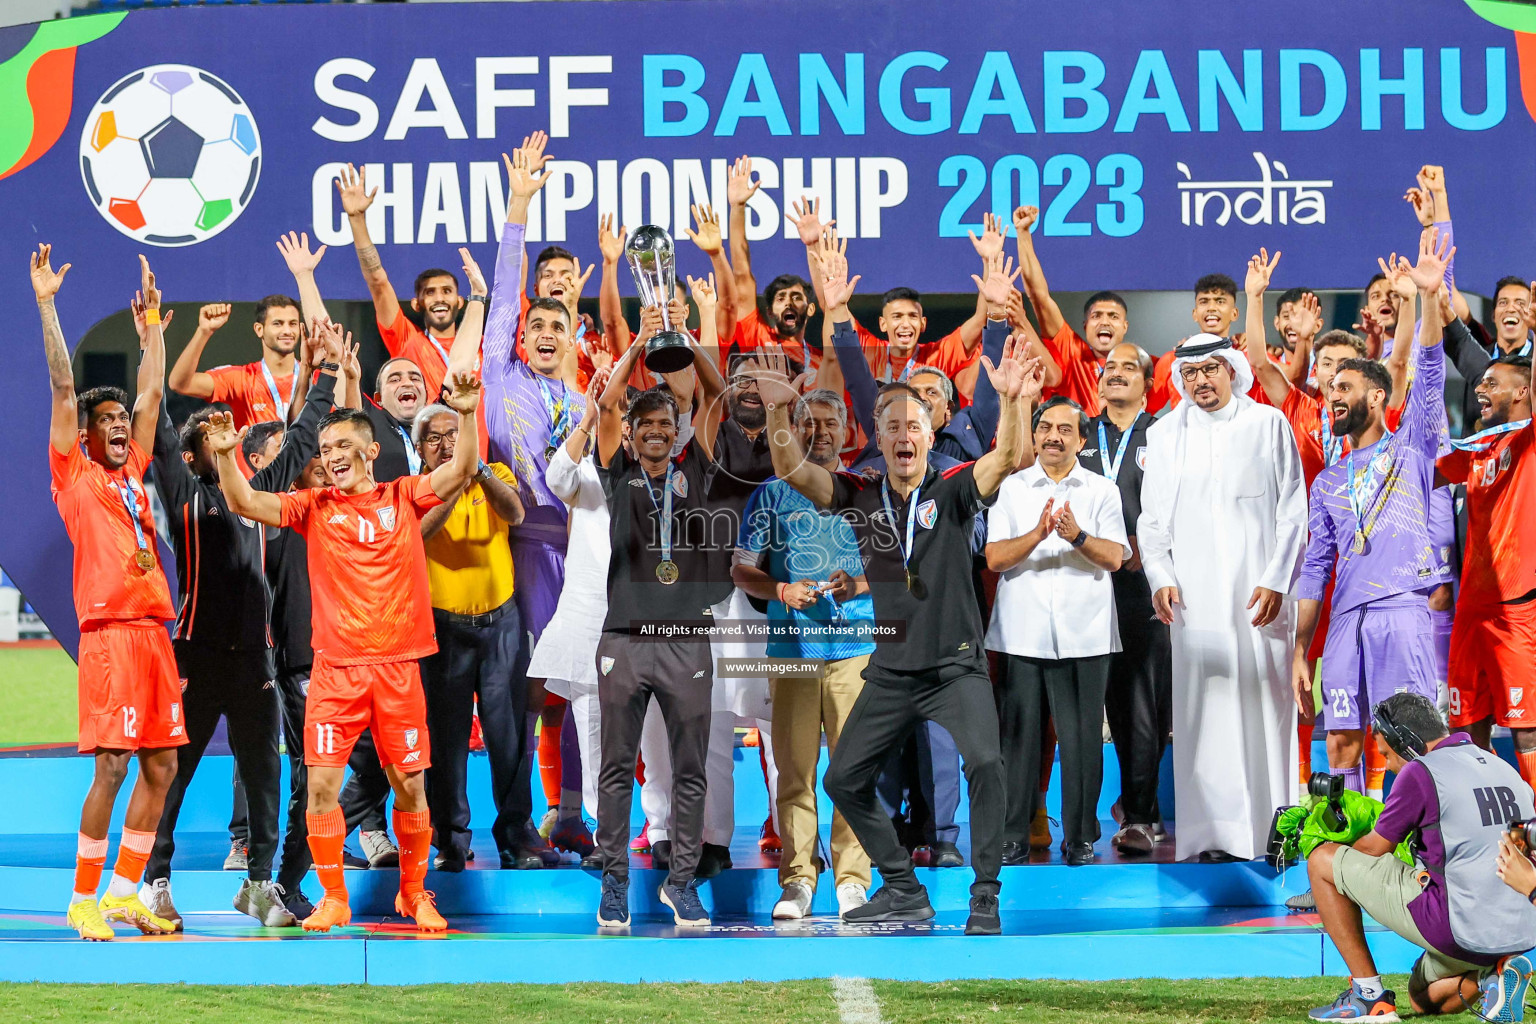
column 237, row 685
column 480, row 655
column 680, row 676
column 239, row 813
column 886, row 713
column 1074, row 688
column 925, row 774
column 1139, row 701
column 367, row 788
column 292, row 688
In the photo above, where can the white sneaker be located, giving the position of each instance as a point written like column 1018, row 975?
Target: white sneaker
column 156, row 896
column 849, row 896
column 794, row 902
column 380, row 850
column 264, row 902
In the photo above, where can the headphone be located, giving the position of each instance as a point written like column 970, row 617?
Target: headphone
column 1404, row 741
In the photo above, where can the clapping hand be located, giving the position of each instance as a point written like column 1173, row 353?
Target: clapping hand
column 1065, row 523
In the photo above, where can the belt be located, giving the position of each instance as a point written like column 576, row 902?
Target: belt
column 481, row 620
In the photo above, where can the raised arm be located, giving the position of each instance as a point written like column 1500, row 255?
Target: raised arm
column 449, row 479
column 299, row 441
column 1270, row 377
column 525, row 176
column 64, row 426
column 739, row 188
column 836, row 288
column 352, row 185
column 151, row 382
column 994, row 233
column 1018, row 386
column 706, row 365
column 610, row 306
column 186, row 378
column 779, row 395
column 244, row 500
column 992, row 292
column 610, row 423
column 1307, row 326
column 1018, row 319
column 707, row 237
column 805, row 215
column 301, row 263
column 1400, row 359
column 500, row 495
column 466, row 343
column 1035, row 287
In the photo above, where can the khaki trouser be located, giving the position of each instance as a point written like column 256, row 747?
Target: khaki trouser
column 802, row 709
column 1383, row 887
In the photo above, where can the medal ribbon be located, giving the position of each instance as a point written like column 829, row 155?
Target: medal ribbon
column 412, row 456
column 1365, row 519
column 1112, row 469
column 277, row 399
column 1483, row 439
column 1333, row 446
column 663, row 509
column 890, row 515
column 131, row 503
column 560, row 414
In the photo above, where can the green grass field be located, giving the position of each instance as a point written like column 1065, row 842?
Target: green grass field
column 39, row 695
column 1252, row 1001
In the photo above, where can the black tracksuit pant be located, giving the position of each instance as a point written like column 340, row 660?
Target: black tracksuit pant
column 680, row 676
column 1139, row 700
column 292, row 688
column 238, row 686
column 886, row 713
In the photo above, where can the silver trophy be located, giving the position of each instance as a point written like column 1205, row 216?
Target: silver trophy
column 653, row 262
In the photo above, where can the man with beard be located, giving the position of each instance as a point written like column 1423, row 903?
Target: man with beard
column 939, row 672
column 255, row 391
column 1104, row 323
column 1493, row 642
column 807, row 567
column 1222, row 526
column 435, row 297
column 1369, row 532
column 129, row 695
column 1513, row 321
column 223, row 638
column 531, row 410
column 789, row 297
column 1139, row 696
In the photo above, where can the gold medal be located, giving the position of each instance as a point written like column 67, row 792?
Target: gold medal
column 1359, row 545
column 666, row 572
column 549, row 453
column 144, row 559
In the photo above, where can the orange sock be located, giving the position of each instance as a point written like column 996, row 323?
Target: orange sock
column 326, row 834
column 1375, row 766
column 133, row 854
column 1304, row 751
column 414, row 831
column 90, row 859
column 1527, row 764
column 549, row 761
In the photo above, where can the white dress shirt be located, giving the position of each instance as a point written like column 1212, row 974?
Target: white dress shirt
column 1056, row 603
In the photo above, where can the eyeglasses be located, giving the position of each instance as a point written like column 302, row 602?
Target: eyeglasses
column 434, row 440
column 743, row 381
column 1210, row 371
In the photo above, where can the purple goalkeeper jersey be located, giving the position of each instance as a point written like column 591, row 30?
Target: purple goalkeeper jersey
column 523, row 408
column 1393, row 479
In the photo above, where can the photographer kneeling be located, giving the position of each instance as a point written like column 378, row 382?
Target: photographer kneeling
column 1455, row 799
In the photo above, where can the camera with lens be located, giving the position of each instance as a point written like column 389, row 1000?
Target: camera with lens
column 1330, row 788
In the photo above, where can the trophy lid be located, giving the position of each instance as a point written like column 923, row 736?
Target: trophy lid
column 648, row 238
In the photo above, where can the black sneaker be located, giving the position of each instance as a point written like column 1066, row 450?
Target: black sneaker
column 661, row 855
column 613, row 908
column 984, row 919
column 712, row 861
column 687, row 910
column 889, row 904
column 945, row 855
column 297, row 903
column 352, row 860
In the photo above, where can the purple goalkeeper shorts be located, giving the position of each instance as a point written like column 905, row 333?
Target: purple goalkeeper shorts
column 538, row 564
column 1374, row 651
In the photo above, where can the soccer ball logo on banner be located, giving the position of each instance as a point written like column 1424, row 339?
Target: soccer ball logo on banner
column 170, row 155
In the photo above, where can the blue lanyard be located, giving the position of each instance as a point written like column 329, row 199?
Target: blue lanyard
column 412, row 456
column 131, row 503
column 890, row 515
column 559, row 415
column 1333, row 446
column 277, row 399
column 664, row 510
column 1356, row 500
column 1483, row 439
column 1112, row 469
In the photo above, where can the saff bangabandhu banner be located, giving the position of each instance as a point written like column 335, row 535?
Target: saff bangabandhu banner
column 1160, row 140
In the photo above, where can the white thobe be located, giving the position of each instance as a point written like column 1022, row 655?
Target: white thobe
column 1224, row 510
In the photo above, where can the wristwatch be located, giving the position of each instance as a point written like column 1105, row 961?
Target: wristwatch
column 329, row 367
column 1080, row 539
column 483, row 472
column 478, row 298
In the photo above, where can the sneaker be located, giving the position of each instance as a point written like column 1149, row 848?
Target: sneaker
column 419, row 906
column 984, row 919
column 1302, row 901
column 687, row 910
column 889, row 904
column 352, row 861
column 642, row 842
column 157, row 897
column 768, row 838
column 239, row 857
column 1352, row 1005
column 264, row 902
column 131, row 910
column 613, row 906
column 549, row 821
column 85, row 917
column 331, row 912
column 945, row 855
column 850, row 895
column 1504, row 989
column 380, row 850
column 297, row 903
column 1040, row 831
column 571, row 834
column 712, row 861
column 1134, row 840
column 794, row 902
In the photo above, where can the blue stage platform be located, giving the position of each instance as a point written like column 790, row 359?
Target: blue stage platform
column 1114, row 919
